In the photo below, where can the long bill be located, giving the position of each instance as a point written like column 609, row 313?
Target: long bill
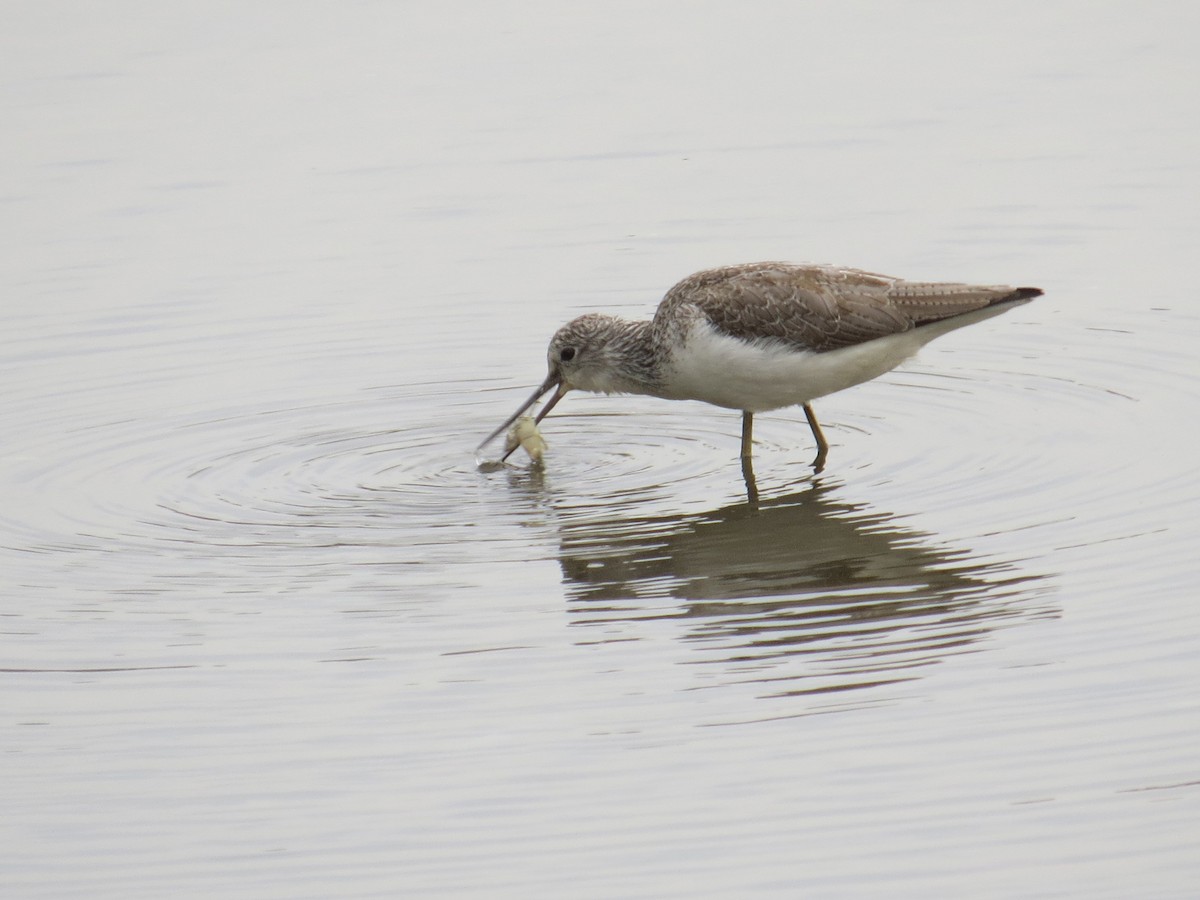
column 553, row 380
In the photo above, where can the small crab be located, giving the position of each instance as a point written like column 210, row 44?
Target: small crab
column 524, row 434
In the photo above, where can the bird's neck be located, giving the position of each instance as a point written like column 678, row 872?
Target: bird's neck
column 636, row 364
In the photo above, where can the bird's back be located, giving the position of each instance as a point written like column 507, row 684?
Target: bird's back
column 823, row 308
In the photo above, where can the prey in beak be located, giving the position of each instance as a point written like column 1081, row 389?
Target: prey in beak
column 554, row 381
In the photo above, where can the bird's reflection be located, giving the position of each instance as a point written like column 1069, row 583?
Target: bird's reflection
column 754, row 585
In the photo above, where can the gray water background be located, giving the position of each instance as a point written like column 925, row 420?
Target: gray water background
column 271, row 271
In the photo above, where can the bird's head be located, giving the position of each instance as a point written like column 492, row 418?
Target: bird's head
column 585, row 354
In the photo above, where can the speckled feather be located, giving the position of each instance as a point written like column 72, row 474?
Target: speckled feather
column 820, row 308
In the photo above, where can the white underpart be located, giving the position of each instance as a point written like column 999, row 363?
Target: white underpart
column 765, row 375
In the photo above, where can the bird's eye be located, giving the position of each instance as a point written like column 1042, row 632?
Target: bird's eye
column 566, row 354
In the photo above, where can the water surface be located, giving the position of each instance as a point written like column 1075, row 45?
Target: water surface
column 269, row 631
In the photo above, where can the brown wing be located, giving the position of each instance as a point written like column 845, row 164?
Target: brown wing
column 822, row 307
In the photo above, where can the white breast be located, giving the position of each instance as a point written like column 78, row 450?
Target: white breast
column 764, row 375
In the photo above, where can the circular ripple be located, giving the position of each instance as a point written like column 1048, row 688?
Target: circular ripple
column 981, row 451
column 255, row 477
